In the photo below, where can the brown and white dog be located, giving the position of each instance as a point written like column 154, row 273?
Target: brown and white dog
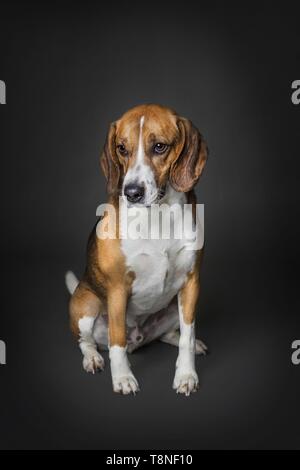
column 137, row 290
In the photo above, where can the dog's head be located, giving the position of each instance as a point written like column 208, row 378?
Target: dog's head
column 149, row 147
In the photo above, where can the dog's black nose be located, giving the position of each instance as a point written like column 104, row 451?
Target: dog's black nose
column 134, row 192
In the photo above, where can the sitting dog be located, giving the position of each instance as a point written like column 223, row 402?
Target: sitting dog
column 136, row 290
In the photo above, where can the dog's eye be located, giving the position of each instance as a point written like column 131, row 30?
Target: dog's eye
column 160, row 148
column 122, row 150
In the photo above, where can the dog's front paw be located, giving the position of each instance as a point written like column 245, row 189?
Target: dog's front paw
column 186, row 382
column 125, row 384
column 93, row 362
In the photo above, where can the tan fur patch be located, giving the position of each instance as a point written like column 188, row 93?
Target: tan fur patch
column 191, row 290
column 106, row 285
column 83, row 303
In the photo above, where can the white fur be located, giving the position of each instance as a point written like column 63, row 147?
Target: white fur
column 92, row 360
column 100, row 331
column 123, row 379
column 140, row 152
column 71, row 281
column 141, row 172
column 160, row 265
column 186, row 378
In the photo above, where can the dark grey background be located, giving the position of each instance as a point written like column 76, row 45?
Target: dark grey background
column 70, row 70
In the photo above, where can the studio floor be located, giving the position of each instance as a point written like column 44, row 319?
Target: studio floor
column 248, row 394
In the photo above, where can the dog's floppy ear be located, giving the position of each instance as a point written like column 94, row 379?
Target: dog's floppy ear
column 191, row 157
column 109, row 161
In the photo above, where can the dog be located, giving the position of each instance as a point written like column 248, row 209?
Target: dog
column 135, row 291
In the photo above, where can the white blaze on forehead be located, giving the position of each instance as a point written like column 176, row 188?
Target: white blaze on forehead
column 140, row 151
column 141, row 172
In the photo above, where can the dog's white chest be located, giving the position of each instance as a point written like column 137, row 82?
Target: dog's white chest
column 160, row 271
column 160, row 267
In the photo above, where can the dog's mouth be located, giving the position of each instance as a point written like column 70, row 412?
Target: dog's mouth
column 157, row 197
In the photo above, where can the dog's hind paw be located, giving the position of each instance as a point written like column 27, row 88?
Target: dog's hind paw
column 201, row 348
column 172, row 337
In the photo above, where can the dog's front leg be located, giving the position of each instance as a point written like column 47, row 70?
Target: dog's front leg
column 186, row 378
column 123, row 379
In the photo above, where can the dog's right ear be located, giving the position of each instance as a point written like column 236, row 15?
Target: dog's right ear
column 109, row 161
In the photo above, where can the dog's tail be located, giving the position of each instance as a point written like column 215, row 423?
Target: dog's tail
column 71, row 281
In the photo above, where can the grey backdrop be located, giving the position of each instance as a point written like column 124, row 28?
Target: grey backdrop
column 72, row 69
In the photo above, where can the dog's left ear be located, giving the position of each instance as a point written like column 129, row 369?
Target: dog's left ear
column 109, row 161
column 191, row 157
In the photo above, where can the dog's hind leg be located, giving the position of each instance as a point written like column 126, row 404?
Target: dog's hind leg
column 100, row 332
column 172, row 337
column 154, row 327
column 84, row 309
